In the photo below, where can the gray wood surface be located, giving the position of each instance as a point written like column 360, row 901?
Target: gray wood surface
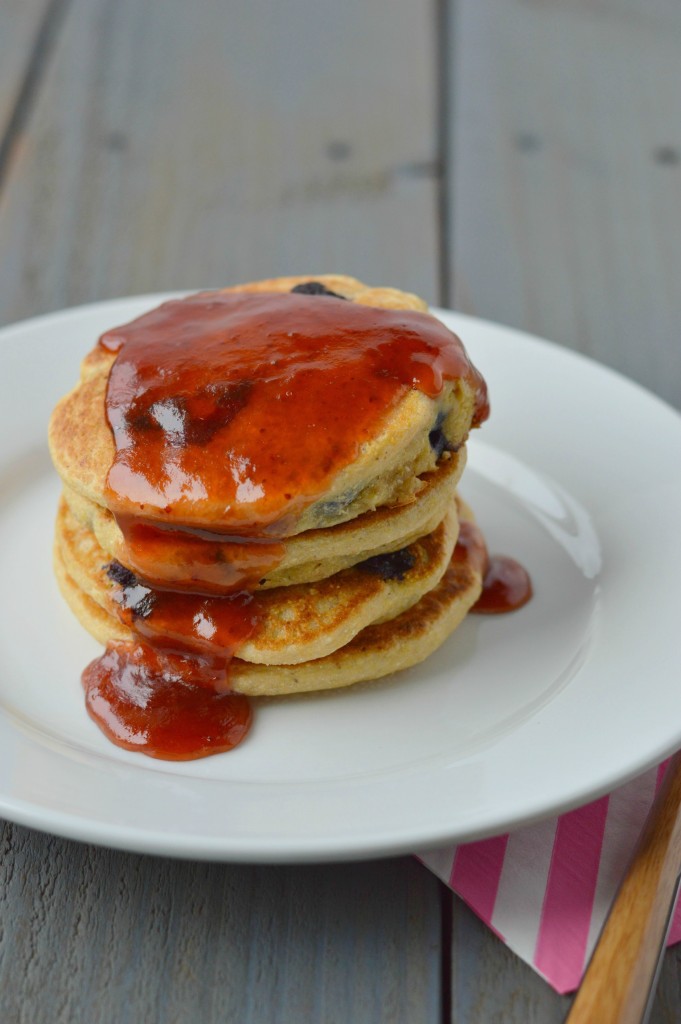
column 97, row 936
column 175, row 145
column 519, row 159
column 19, row 36
column 565, row 176
column 563, row 159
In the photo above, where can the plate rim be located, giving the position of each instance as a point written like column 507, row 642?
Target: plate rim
column 289, row 849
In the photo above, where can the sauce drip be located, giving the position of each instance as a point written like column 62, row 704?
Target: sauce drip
column 470, row 546
column 197, row 559
column 184, row 621
column 164, row 704
column 238, row 410
column 506, row 585
column 505, row 588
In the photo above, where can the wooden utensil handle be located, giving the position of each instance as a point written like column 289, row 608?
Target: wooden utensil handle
column 621, row 975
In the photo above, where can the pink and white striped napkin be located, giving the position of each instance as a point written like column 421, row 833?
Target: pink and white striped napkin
column 545, row 889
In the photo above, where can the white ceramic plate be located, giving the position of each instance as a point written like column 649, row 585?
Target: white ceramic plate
column 576, row 474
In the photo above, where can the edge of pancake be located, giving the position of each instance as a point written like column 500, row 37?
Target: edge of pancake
column 316, row 554
column 377, row 651
column 384, row 472
column 296, row 623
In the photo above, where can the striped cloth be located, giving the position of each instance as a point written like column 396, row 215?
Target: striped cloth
column 545, row 889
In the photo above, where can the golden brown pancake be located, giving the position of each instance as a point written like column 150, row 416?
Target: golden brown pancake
column 386, row 470
column 376, row 651
column 367, row 580
column 315, row 554
column 296, row 623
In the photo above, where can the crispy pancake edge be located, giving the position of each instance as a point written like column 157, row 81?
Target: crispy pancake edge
column 298, row 623
column 377, row 651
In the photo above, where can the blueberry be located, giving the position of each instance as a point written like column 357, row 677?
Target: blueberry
column 118, row 573
column 439, row 443
column 134, row 594
column 337, row 506
column 438, row 440
column 315, row 288
column 393, row 566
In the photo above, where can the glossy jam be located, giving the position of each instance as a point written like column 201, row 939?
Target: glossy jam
column 164, row 704
column 471, row 547
column 202, row 623
column 239, row 410
column 506, row 587
column 189, row 558
column 234, row 412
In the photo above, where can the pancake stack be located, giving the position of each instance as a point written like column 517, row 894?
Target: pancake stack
column 335, row 565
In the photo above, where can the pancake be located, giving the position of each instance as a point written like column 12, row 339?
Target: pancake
column 293, row 624
column 306, row 557
column 376, row 651
column 259, row 498
column 410, row 436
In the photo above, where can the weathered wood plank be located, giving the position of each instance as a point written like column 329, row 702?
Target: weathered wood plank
column 564, row 171
column 184, row 145
column 566, row 176
column 181, row 145
column 20, row 22
column 96, row 936
column 489, row 983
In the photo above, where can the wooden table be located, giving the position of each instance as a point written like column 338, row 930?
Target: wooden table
column 519, row 159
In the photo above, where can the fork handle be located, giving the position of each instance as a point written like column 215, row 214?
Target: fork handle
column 620, row 980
